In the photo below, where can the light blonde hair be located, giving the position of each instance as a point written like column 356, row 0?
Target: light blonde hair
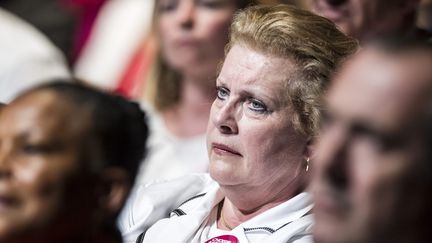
column 164, row 83
column 314, row 43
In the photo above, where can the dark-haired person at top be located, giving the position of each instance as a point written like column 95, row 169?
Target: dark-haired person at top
column 368, row 19
column 68, row 156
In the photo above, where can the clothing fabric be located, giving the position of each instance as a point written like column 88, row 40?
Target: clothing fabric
column 168, row 156
column 118, row 32
column 195, row 219
column 28, row 58
column 56, row 20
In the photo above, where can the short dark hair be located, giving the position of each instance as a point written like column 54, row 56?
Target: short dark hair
column 118, row 125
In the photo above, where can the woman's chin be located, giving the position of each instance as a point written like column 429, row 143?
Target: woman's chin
column 222, row 176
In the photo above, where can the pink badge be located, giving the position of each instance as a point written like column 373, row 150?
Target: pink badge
column 223, row 239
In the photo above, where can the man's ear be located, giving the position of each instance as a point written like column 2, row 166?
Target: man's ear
column 115, row 189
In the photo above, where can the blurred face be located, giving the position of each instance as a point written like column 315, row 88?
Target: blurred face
column 364, row 18
column 40, row 171
column 193, row 34
column 250, row 137
column 369, row 184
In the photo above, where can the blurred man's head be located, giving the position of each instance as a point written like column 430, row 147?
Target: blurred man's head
column 373, row 169
column 364, row 19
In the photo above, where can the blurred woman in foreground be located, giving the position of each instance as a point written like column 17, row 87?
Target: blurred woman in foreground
column 266, row 112
column 68, row 157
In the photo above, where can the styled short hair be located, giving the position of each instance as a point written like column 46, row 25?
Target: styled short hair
column 117, row 125
column 314, row 43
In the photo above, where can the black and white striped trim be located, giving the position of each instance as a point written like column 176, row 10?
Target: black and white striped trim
column 192, row 198
column 140, row 238
column 268, row 229
column 180, row 212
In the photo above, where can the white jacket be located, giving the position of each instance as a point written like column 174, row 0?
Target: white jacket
column 197, row 196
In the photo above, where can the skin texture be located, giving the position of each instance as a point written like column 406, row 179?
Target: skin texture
column 41, row 170
column 194, row 33
column 263, row 153
column 371, row 178
column 365, row 19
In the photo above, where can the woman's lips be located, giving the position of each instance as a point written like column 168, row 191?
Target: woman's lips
column 181, row 43
column 222, row 149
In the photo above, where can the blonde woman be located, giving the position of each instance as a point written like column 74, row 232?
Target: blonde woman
column 266, row 112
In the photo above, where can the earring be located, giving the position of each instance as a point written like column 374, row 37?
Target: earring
column 307, row 164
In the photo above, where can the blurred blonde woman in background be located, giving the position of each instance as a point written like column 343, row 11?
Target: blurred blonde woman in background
column 192, row 36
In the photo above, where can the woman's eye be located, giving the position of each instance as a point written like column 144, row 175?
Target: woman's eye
column 212, row 3
column 222, row 93
column 256, row 105
column 167, row 6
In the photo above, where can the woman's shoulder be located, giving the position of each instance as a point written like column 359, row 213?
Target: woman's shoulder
column 152, row 202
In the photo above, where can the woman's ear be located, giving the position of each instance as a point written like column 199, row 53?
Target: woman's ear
column 309, row 149
column 115, row 189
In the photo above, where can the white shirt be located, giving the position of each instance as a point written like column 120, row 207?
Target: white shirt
column 169, row 157
column 27, row 57
column 290, row 221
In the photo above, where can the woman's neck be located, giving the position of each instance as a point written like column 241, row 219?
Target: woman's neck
column 231, row 216
column 189, row 117
column 240, row 205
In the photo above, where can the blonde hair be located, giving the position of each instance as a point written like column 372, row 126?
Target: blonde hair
column 314, row 43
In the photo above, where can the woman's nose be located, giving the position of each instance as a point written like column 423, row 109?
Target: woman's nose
column 224, row 119
column 186, row 14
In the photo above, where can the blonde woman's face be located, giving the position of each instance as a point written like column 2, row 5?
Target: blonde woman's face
column 251, row 140
column 193, row 34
